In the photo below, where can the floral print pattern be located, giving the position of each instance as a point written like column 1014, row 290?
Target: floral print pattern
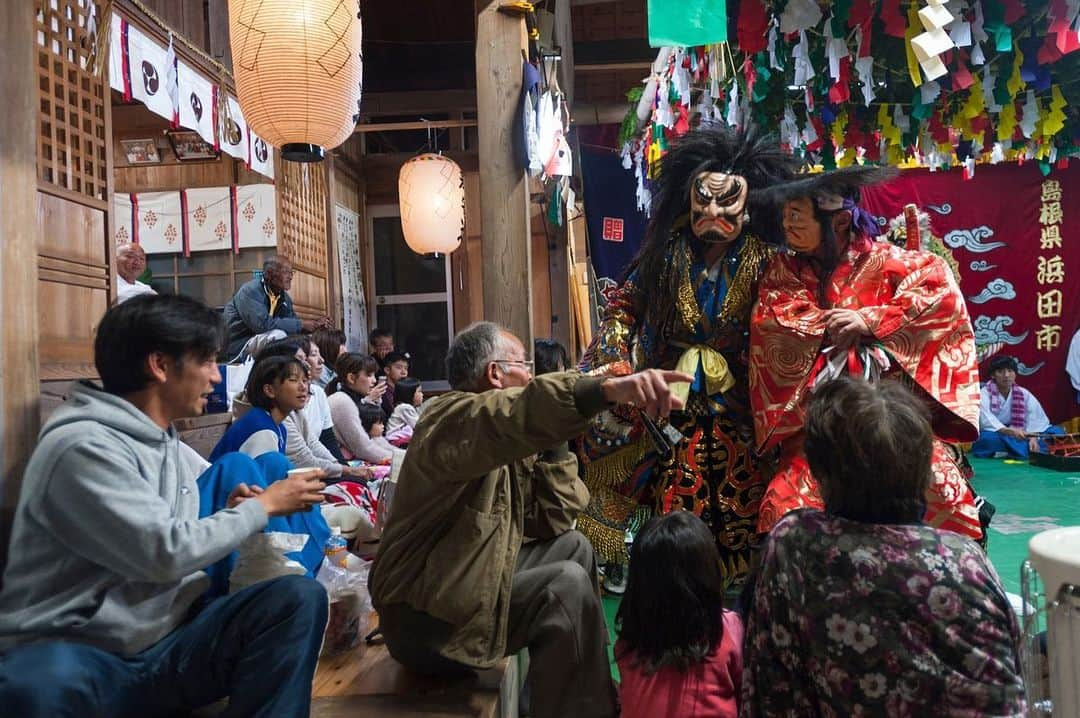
column 856, row 619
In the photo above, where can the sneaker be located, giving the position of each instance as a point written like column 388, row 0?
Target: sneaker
column 614, row 578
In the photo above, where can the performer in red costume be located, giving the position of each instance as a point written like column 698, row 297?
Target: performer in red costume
column 839, row 302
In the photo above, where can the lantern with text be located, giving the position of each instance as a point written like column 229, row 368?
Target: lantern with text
column 432, row 197
column 298, row 72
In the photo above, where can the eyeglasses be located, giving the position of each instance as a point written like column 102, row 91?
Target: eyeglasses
column 527, row 363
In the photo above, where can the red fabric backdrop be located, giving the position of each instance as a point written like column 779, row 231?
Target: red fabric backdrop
column 1016, row 237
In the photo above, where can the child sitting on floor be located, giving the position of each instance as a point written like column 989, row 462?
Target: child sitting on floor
column 276, row 387
column 679, row 651
column 408, row 396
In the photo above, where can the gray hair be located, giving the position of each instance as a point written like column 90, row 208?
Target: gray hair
column 474, row 347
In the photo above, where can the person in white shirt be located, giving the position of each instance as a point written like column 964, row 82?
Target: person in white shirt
column 1009, row 415
column 1072, row 364
column 130, row 263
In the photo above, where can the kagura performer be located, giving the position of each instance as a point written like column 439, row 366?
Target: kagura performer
column 685, row 303
column 844, row 303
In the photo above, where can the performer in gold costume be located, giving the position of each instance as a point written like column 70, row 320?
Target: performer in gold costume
column 685, row 302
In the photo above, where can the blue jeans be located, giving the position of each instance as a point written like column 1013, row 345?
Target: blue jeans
column 218, row 481
column 991, row 442
column 258, row 646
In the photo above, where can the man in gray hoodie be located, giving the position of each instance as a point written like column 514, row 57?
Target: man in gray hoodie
column 101, row 611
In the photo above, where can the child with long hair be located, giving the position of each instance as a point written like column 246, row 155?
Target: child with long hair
column 408, row 396
column 679, row 651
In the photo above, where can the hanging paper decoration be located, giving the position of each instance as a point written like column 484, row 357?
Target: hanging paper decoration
column 233, row 130
column 799, row 15
column 929, row 45
column 207, row 213
column 256, row 215
column 687, row 23
column 122, row 219
column 197, row 98
column 432, row 199
column 148, row 68
column 117, row 27
column 157, row 222
column 260, row 155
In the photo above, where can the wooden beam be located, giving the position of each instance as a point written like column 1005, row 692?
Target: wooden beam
column 20, row 391
column 564, row 39
column 374, row 104
column 399, row 126
column 335, row 308
column 504, row 191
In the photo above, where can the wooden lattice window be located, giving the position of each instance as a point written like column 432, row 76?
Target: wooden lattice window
column 302, row 197
column 72, row 142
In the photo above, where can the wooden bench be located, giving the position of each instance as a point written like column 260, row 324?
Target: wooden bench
column 368, row 682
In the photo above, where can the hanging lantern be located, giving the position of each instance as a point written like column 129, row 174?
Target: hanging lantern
column 431, row 192
column 298, row 72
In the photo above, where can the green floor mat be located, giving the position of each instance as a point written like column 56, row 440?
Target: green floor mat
column 1028, row 500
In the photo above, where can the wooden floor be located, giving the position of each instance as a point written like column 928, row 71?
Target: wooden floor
column 366, row 681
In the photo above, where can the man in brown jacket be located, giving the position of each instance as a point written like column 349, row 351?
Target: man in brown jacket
column 479, row 558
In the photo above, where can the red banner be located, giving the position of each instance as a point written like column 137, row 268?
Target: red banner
column 1016, row 237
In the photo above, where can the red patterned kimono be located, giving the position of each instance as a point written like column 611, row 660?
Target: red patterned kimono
column 914, row 308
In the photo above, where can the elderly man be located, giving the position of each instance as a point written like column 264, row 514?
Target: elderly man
column 130, row 264
column 262, row 311
column 479, row 559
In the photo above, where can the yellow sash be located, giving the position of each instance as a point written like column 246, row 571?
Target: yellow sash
column 718, row 378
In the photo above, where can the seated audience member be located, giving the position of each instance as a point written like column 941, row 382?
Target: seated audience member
column 1008, row 415
column 303, row 439
column 319, row 431
column 454, row 582
column 679, row 651
column 263, row 306
column 130, row 264
column 276, row 390
column 381, row 343
column 373, row 419
column 408, row 396
column 276, row 387
column 355, row 385
column 100, row 613
column 331, row 343
column 549, row 356
column 1072, row 364
column 395, row 368
column 862, row 609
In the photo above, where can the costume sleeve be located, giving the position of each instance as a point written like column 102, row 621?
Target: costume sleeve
column 253, row 312
column 924, row 326
column 102, row 509
column 618, row 322
column 1037, row 420
column 787, row 327
column 556, row 495
column 467, row 435
column 987, row 420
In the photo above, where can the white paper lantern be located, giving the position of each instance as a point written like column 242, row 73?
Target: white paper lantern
column 298, row 72
column 431, row 193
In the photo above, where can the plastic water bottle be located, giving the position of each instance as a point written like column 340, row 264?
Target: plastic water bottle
column 336, row 549
column 333, row 574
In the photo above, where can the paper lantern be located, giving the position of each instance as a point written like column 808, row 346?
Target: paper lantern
column 298, row 72
column 432, row 196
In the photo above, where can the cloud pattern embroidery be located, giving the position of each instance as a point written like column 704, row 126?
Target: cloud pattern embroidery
column 988, row 331
column 996, row 289
column 1024, row 370
column 981, row 265
column 972, row 239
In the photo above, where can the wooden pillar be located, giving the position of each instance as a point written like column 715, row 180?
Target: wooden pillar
column 19, row 388
column 504, row 189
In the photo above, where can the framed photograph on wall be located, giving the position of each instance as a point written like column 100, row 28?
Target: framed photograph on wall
column 141, row 151
column 188, row 145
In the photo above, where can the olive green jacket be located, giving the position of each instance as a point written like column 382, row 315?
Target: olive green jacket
column 472, row 487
